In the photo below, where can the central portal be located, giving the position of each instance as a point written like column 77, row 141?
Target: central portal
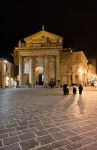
column 39, row 76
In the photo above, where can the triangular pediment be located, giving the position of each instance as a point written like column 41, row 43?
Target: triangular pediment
column 43, row 36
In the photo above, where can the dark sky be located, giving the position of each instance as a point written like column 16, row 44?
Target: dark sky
column 75, row 20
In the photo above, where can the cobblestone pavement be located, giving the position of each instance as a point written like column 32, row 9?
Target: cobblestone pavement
column 45, row 119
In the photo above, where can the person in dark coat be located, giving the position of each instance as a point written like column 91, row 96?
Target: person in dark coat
column 74, row 89
column 65, row 89
column 80, row 87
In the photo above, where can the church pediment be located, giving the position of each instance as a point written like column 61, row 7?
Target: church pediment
column 43, row 36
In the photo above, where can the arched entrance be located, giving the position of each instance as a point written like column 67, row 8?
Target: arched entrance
column 39, row 76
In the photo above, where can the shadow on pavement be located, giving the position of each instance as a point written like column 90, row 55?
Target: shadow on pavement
column 81, row 104
column 69, row 102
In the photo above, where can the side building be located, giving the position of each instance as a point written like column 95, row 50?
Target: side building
column 6, row 73
column 73, row 67
column 92, row 76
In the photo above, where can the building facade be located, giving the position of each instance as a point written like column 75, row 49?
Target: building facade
column 40, row 59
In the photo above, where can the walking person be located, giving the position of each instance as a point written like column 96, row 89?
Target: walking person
column 65, row 89
column 74, row 89
column 51, row 84
column 80, row 87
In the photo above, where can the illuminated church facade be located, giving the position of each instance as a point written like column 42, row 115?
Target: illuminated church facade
column 41, row 58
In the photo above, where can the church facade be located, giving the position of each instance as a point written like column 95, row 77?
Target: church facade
column 41, row 58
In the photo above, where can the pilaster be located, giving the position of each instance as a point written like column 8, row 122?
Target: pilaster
column 21, row 70
column 46, row 71
column 57, row 70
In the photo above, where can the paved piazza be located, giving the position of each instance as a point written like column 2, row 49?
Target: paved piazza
column 44, row 119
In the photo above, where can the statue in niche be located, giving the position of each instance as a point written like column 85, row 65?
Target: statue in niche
column 48, row 40
column 19, row 43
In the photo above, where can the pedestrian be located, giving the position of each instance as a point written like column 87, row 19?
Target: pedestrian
column 65, row 89
column 17, row 84
column 74, row 89
column 80, row 87
column 51, row 84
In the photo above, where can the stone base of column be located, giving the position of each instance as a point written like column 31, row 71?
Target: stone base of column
column 20, row 86
column 29, row 85
column 45, row 84
column 57, row 83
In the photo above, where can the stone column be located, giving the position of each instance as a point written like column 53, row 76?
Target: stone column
column 46, row 72
column 31, row 71
column 20, row 71
column 57, row 70
column 69, row 81
column 73, row 78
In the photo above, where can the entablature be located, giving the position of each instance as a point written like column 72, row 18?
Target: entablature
column 39, row 48
column 38, row 53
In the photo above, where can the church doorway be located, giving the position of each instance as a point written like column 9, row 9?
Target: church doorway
column 39, row 76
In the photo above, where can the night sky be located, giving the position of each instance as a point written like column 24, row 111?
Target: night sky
column 76, row 21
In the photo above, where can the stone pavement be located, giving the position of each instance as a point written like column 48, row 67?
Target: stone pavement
column 45, row 119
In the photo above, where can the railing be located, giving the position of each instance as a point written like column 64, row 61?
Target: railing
column 38, row 47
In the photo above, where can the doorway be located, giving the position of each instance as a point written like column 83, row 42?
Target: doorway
column 39, row 76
